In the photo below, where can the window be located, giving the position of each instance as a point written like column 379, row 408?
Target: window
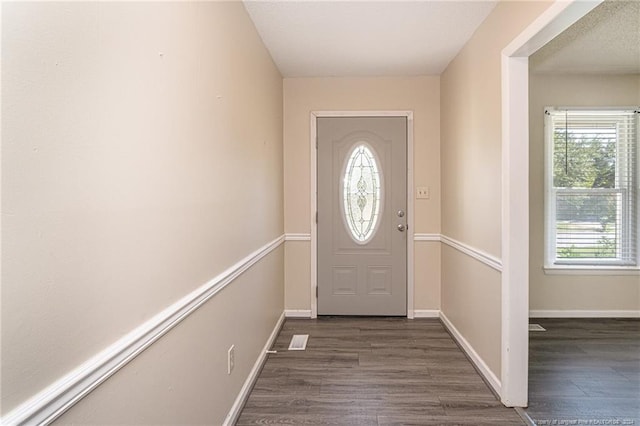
column 361, row 193
column 591, row 187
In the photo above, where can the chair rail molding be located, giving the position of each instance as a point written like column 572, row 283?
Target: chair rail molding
column 477, row 254
column 53, row 401
column 297, row 237
column 427, row 237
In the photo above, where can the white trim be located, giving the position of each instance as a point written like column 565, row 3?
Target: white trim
column 515, row 233
column 242, row 397
column 314, row 197
column 427, row 237
column 554, row 20
column 549, row 198
column 477, row 360
column 362, row 113
column 535, row 313
column 313, row 211
column 625, row 218
column 410, row 218
column 54, row 400
column 297, row 237
column 525, row 416
column 426, row 313
column 515, row 188
column 479, row 255
column 297, row 313
column 590, row 270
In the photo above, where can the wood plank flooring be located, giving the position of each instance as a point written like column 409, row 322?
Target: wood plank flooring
column 585, row 372
column 371, row 371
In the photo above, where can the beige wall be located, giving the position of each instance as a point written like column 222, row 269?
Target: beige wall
column 572, row 292
column 472, row 286
column 182, row 378
column 471, row 176
column 303, row 95
column 139, row 141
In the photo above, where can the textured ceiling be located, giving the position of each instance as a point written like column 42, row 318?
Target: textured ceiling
column 605, row 41
column 365, row 38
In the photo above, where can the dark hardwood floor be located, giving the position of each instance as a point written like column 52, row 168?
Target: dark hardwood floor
column 585, row 372
column 372, row 371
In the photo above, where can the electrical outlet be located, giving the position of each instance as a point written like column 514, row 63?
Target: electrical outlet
column 423, row 192
column 231, row 359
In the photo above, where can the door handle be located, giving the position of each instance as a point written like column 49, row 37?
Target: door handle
column 401, row 228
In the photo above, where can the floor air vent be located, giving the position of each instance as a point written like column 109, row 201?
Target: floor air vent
column 298, row 342
column 536, row 327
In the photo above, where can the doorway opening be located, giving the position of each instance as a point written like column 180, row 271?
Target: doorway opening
column 515, row 188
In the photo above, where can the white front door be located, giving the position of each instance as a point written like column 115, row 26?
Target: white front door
column 362, row 221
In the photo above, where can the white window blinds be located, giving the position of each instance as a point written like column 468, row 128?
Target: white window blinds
column 592, row 187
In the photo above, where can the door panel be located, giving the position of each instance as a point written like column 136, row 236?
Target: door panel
column 362, row 185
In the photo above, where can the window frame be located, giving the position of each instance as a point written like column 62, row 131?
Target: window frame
column 553, row 265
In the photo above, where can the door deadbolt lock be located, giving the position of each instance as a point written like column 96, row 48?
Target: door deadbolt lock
column 400, row 213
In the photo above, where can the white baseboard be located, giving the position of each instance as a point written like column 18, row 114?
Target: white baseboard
column 582, row 314
column 477, row 360
column 297, row 313
column 426, row 313
column 53, row 401
column 236, row 408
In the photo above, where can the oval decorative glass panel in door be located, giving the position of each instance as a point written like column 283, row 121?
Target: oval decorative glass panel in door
column 361, row 193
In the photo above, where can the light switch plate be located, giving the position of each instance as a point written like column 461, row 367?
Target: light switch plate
column 423, row 192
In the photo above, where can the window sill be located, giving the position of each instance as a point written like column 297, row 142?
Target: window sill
column 590, row 270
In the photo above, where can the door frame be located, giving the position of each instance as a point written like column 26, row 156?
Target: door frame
column 515, row 184
column 314, row 197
